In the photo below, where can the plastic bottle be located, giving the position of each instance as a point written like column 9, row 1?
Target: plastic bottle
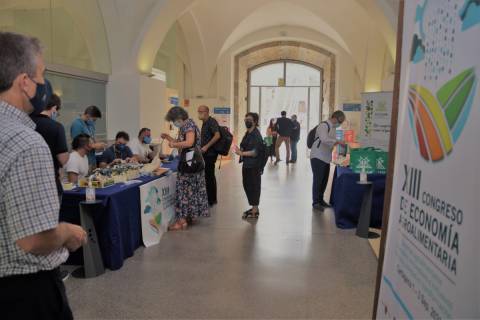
column 90, row 192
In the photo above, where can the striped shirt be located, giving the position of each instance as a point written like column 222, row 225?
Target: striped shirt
column 28, row 194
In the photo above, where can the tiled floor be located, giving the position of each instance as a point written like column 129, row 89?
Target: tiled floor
column 292, row 263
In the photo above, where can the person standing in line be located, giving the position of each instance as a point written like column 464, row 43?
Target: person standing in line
column 321, row 156
column 140, row 147
column 191, row 191
column 86, row 124
column 272, row 133
column 210, row 136
column 33, row 244
column 284, row 129
column 54, row 135
column 294, row 138
column 249, row 153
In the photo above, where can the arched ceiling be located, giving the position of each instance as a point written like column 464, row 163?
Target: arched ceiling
column 281, row 13
column 213, row 26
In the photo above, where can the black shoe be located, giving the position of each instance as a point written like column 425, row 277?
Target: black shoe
column 318, row 207
column 324, row 204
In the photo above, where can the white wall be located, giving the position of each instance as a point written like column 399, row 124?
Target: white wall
column 152, row 105
column 123, row 109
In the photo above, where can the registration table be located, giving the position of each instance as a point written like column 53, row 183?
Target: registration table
column 347, row 194
column 117, row 222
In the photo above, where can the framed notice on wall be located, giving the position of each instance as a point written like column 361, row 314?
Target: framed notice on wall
column 431, row 260
column 376, row 119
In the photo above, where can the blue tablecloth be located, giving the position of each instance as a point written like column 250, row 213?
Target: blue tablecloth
column 118, row 222
column 346, row 198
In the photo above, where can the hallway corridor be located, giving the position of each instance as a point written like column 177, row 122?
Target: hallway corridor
column 292, row 263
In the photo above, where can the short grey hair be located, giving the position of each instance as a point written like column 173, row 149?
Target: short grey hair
column 18, row 55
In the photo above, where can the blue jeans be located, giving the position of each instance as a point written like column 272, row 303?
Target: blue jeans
column 321, row 171
column 293, row 144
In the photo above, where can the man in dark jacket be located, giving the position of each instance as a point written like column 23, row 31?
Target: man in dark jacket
column 294, row 138
column 284, row 129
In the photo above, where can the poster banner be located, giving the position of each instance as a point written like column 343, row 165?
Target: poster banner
column 157, row 208
column 431, row 266
column 376, row 118
column 222, row 115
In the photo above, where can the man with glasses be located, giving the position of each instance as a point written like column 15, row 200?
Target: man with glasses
column 321, row 156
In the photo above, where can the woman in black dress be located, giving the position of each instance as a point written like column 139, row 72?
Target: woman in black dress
column 250, row 152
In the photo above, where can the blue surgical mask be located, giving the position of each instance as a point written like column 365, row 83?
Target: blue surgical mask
column 121, row 146
column 90, row 122
column 42, row 95
column 147, row 140
column 54, row 115
column 177, row 124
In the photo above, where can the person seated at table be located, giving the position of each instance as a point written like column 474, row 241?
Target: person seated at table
column 117, row 152
column 141, row 146
column 77, row 165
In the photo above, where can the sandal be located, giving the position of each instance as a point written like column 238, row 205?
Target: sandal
column 247, row 214
column 255, row 215
column 178, row 226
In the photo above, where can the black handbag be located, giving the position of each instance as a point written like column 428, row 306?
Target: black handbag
column 194, row 165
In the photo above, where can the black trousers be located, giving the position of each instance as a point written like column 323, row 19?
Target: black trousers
column 210, row 179
column 321, row 171
column 252, row 184
column 39, row 296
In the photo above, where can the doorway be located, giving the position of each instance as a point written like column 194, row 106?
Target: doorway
column 286, row 85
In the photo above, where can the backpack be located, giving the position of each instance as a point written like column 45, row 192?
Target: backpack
column 312, row 136
column 263, row 156
column 222, row 146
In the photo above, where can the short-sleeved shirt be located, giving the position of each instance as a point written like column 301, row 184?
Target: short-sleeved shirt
column 77, row 164
column 189, row 126
column 209, row 128
column 284, row 127
column 113, row 153
column 139, row 148
column 78, row 127
column 29, row 201
column 251, row 142
column 54, row 135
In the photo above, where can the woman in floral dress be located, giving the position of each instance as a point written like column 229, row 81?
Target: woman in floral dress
column 191, row 191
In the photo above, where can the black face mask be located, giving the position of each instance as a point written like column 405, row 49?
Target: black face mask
column 248, row 124
column 42, row 95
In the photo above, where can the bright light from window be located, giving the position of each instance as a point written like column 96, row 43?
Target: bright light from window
column 159, row 74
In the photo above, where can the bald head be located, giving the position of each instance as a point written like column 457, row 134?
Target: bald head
column 203, row 112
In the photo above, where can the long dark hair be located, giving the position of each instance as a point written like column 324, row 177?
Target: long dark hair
column 272, row 123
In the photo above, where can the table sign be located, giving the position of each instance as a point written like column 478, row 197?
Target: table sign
column 157, row 200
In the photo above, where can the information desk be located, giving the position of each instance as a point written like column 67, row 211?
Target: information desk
column 118, row 224
column 346, row 198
